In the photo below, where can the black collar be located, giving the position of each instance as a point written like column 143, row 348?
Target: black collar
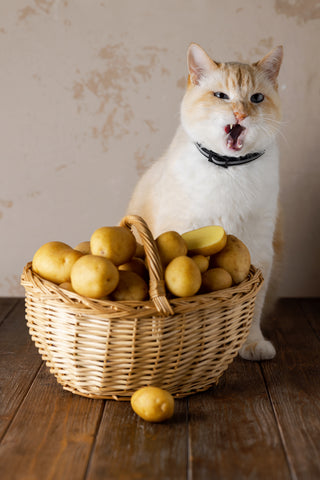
column 225, row 161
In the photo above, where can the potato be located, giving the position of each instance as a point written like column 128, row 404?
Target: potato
column 117, row 244
column 170, row 245
column 216, row 279
column 202, row 262
column 235, row 258
column 153, row 404
column 83, row 247
column 93, row 276
column 130, row 287
column 183, row 277
column 66, row 286
column 140, row 252
column 136, row 265
column 206, row 240
column 54, row 260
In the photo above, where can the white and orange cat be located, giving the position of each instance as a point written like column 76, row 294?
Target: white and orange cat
column 222, row 166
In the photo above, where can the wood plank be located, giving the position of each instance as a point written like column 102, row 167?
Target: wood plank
column 6, row 305
column 51, row 436
column 232, row 429
column 311, row 310
column 128, row 448
column 294, row 388
column 19, row 363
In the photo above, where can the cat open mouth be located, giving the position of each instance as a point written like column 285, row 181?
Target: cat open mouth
column 235, row 135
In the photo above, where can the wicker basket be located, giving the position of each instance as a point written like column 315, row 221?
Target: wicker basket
column 106, row 349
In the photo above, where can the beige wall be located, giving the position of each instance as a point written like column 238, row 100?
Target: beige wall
column 90, row 94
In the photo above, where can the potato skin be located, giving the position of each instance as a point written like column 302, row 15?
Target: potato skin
column 66, row 286
column 216, row 279
column 183, row 277
column 202, row 262
column 130, row 287
column 54, row 260
column 140, row 252
column 136, row 265
column 170, row 245
column 84, row 247
column 234, row 258
column 94, row 277
column 117, row 244
column 153, row 404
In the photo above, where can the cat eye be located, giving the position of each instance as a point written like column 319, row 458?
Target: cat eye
column 221, row 95
column 257, row 98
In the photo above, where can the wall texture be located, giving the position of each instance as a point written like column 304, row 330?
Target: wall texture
column 90, row 94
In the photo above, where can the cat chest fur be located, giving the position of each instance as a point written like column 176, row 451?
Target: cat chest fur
column 198, row 193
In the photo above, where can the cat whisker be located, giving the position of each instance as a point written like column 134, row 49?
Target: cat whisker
column 269, row 118
column 284, row 137
column 274, row 130
column 268, row 133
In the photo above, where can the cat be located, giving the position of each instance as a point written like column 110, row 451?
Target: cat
column 222, row 166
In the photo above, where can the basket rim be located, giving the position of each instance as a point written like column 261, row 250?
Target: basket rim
column 159, row 304
column 49, row 291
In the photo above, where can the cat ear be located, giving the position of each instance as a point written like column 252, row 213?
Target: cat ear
column 199, row 63
column 271, row 63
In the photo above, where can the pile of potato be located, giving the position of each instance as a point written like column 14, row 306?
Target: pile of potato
column 112, row 265
column 104, row 267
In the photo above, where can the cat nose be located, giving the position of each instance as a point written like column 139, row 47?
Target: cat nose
column 240, row 116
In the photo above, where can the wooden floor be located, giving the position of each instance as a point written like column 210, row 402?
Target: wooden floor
column 261, row 422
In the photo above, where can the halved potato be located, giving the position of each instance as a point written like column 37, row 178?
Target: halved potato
column 205, row 240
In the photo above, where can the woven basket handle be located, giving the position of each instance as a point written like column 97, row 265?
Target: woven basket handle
column 157, row 289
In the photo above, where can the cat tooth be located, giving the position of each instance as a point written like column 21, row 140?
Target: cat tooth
column 231, row 126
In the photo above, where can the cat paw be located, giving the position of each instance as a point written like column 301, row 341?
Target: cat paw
column 259, row 350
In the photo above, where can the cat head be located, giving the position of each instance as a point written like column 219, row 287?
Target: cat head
column 232, row 108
